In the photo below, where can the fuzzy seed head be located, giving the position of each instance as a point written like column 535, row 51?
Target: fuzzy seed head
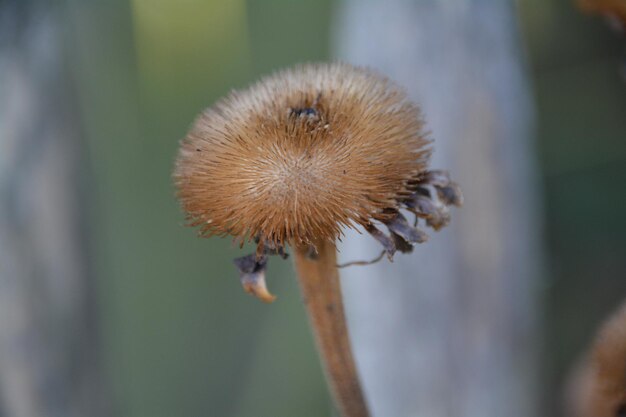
column 598, row 388
column 300, row 155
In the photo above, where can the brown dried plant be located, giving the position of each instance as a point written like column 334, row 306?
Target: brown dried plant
column 295, row 159
column 598, row 388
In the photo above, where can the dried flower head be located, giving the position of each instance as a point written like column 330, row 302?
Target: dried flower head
column 598, row 388
column 304, row 153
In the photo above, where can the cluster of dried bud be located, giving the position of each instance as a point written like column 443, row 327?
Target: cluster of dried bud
column 433, row 193
column 304, row 153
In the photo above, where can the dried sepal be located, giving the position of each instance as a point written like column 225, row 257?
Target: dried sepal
column 436, row 177
column 252, row 276
column 440, row 219
column 433, row 192
column 448, row 191
column 399, row 226
column 252, row 268
column 388, row 245
column 435, row 208
column 270, row 248
column 422, row 205
column 450, row 195
column 401, row 244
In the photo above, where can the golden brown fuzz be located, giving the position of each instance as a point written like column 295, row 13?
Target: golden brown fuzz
column 599, row 386
column 301, row 154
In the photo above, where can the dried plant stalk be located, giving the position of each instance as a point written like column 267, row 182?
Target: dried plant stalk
column 295, row 159
column 321, row 292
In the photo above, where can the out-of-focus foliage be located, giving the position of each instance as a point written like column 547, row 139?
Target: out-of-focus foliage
column 181, row 336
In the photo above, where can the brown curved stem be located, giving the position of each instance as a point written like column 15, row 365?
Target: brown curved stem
column 321, row 291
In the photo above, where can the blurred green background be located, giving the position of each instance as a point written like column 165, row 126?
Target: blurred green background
column 180, row 337
column 577, row 67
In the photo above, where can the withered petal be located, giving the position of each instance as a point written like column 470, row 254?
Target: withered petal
column 401, row 227
column 437, row 177
column 252, row 276
column 383, row 239
column 401, row 244
column 450, row 195
column 422, row 206
column 440, row 219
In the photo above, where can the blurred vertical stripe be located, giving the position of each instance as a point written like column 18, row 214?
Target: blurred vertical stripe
column 181, row 43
